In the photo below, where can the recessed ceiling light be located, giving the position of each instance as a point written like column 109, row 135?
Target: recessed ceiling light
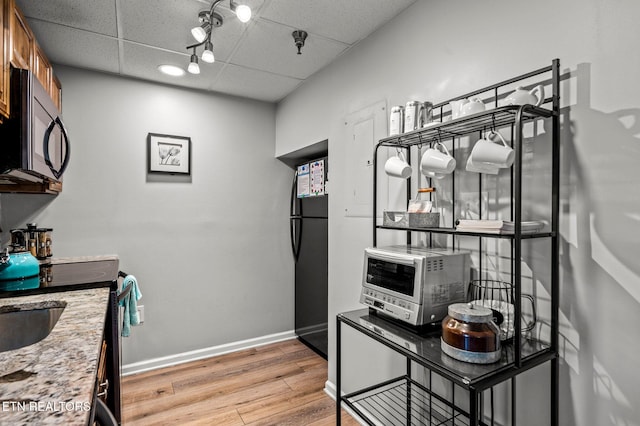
column 171, row 70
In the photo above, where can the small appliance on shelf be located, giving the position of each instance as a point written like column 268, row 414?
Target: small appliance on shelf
column 414, row 285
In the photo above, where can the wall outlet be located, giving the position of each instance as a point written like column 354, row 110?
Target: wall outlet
column 141, row 313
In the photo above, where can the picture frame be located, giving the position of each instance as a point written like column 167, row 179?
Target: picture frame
column 168, row 154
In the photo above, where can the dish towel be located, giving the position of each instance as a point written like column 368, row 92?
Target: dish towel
column 130, row 304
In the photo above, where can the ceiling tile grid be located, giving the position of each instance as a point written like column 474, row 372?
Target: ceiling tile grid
column 254, row 84
column 76, row 47
column 98, row 16
column 257, row 59
column 346, row 21
column 270, row 47
column 161, row 24
column 142, row 62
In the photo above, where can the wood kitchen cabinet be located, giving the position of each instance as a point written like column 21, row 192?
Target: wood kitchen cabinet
column 4, row 43
column 25, row 52
column 21, row 39
column 102, row 383
column 41, row 67
column 56, row 92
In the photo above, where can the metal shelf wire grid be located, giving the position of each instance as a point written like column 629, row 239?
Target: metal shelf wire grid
column 403, row 403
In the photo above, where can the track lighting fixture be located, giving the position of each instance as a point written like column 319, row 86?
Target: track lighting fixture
column 210, row 19
column 194, row 68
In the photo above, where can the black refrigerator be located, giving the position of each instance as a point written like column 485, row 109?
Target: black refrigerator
column 309, row 244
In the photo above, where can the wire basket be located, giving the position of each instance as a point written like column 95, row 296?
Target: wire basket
column 499, row 296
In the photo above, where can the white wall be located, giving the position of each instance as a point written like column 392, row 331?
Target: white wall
column 436, row 50
column 211, row 253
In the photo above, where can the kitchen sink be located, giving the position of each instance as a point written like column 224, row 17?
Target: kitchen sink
column 26, row 324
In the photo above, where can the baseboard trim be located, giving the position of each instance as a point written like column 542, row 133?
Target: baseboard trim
column 171, row 360
column 330, row 389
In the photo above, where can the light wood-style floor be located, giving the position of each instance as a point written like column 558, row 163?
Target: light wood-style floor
column 278, row 384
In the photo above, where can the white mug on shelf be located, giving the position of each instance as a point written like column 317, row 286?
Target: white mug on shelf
column 473, row 106
column 488, row 152
column 481, row 167
column 434, row 175
column 437, row 162
column 397, row 166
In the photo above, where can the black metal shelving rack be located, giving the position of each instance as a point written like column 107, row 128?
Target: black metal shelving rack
column 405, row 401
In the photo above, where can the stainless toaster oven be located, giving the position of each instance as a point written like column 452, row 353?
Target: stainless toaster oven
column 414, row 284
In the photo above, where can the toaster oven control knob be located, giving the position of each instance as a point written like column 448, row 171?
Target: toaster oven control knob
column 407, row 315
column 433, row 317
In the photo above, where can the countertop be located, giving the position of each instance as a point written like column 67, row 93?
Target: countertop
column 52, row 381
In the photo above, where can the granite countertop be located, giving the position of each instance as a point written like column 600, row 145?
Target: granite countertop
column 52, row 381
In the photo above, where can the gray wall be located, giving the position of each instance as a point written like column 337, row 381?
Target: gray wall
column 211, row 253
column 436, row 50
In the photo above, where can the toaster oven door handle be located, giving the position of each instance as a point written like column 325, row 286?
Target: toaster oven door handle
column 67, row 152
column 398, row 259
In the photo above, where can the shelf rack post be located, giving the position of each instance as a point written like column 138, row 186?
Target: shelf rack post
column 338, row 372
column 375, row 192
column 555, row 240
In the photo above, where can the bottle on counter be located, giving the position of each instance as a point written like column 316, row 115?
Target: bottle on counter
column 48, row 242
column 42, row 244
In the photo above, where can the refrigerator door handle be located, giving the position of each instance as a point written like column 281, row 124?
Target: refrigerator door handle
column 293, row 195
column 294, row 216
column 293, row 211
column 295, row 236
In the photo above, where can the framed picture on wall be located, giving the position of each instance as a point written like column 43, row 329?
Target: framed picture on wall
column 168, row 154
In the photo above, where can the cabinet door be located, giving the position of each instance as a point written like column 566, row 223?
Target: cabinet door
column 21, row 40
column 56, row 92
column 4, row 55
column 42, row 67
column 101, row 376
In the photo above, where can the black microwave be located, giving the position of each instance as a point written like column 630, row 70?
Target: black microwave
column 33, row 138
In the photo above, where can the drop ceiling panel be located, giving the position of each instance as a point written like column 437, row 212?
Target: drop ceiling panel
column 226, row 38
column 256, row 60
column 345, row 21
column 97, row 16
column 78, row 48
column 254, row 84
column 165, row 23
column 270, row 47
column 142, row 62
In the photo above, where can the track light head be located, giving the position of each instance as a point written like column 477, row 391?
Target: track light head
column 200, row 32
column 207, row 55
column 194, row 68
column 242, row 11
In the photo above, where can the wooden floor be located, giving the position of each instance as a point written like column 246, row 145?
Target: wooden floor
column 278, row 384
